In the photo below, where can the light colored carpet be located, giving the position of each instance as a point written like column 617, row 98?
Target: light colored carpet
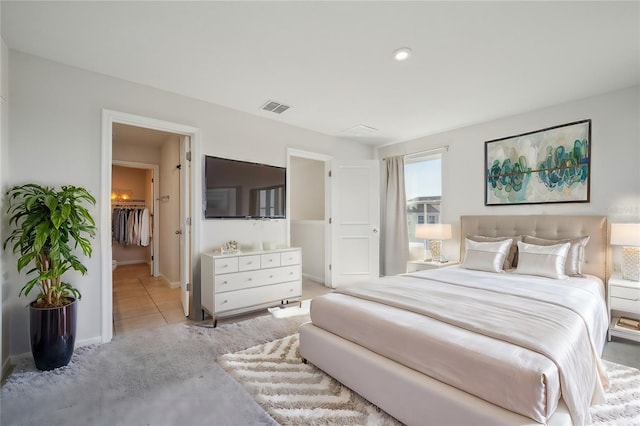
column 169, row 376
column 294, row 393
column 166, row 376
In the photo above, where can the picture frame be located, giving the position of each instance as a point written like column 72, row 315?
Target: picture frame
column 551, row 165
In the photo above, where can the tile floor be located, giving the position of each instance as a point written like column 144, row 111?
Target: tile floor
column 141, row 301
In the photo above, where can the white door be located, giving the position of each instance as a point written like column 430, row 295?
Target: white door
column 185, row 222
column 355, row 221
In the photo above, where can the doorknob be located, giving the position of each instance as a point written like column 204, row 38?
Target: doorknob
column 179, row 232
column 375, row 230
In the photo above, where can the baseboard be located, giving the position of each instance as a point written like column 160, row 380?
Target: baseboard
column 314, row 278
column 172, row 284
column 132, row 262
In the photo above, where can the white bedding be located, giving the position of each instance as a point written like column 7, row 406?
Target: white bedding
column 408, row 329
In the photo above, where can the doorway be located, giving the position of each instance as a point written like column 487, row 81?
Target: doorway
column 182, row 234
column 145, row 201
column 308, row 207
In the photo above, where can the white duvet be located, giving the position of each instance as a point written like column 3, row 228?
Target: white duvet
column 557, row 326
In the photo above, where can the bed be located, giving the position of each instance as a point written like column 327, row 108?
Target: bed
column 457, row 346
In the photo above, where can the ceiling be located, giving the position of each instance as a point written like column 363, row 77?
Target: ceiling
column 331, row 61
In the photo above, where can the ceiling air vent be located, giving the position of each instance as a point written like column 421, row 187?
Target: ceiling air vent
column 275, row 107
column 360, row 131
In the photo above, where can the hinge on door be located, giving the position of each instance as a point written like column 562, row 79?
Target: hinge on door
column 329, row 266
column 329, row 221
column 188, row 221
column 188, row 155
column 151, row 257
column 329, row 173
column 152, row 180
column 188, row 286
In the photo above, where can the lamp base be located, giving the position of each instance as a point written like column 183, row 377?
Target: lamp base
column 631, row 263
column 436, row 250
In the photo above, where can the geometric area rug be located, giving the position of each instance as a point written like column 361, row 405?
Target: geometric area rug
column 294, row 393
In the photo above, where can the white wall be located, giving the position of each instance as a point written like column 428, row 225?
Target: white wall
column 307, row 189
column 309, row 235
column 615, row 156
column 4, row 143
column 308, row 226
column 55, row 137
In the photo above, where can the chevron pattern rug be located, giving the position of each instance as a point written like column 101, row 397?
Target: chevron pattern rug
column 294, row 393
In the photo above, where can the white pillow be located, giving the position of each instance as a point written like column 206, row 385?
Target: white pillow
column 485, row 256
column 544, row 261
column 575, row 255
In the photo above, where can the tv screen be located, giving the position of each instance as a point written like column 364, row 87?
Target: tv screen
column 239, row 189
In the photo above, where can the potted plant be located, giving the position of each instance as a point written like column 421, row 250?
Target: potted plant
column 49, row 225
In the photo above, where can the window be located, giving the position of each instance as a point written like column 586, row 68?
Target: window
column 423, row 186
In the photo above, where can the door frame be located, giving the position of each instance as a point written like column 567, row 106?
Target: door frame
column 156, row 211
column 292, row 152
column 109, row 117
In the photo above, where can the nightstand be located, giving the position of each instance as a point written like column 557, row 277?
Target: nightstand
column 623, row 296
column 421, row 265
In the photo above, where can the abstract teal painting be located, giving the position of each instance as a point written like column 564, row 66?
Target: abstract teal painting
column 550, row 165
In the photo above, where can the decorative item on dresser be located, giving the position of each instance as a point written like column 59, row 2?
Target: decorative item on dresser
column 628, row 236
column 624, row 299
column 236, row 283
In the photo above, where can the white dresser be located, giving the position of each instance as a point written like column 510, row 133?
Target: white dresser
column 235, row 283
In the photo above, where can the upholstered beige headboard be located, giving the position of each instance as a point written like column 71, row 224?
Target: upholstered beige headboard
column 546, row 226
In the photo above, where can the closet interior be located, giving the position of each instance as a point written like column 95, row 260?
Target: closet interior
column 132, row 216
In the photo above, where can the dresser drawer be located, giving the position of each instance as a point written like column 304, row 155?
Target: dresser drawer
column 255, row 296
column 625, row 292
column 229, row 282
column 290, row 258
column 627, row 305
column 248, row 263
column 226, row 265
column 270, row 260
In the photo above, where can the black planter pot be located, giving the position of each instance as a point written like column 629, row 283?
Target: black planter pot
column 53, row 335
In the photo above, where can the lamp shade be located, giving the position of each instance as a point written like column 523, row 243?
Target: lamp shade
column 434, row 231
column 625, row 234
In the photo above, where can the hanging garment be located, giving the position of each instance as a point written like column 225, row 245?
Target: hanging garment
column 144, row 228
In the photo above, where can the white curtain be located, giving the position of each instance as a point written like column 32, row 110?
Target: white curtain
column 395, row 235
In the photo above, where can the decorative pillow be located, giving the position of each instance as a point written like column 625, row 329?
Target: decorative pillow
column 485, row 256
column 512, row 257
column 545, row 261
column 575, row 256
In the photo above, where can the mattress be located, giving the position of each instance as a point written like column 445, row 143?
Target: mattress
column 517, row 378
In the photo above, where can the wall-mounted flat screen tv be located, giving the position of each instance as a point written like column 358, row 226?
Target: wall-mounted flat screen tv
column 240, row 189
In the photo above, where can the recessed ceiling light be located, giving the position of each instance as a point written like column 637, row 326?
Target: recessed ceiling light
column 402, row 54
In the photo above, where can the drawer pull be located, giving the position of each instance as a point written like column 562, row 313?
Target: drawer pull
column 225, row 282
column 225, row 301
column 270, row 276
column 249, row 279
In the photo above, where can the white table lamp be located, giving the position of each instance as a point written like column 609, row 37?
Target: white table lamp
column 435, row 233
column 628, row 236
